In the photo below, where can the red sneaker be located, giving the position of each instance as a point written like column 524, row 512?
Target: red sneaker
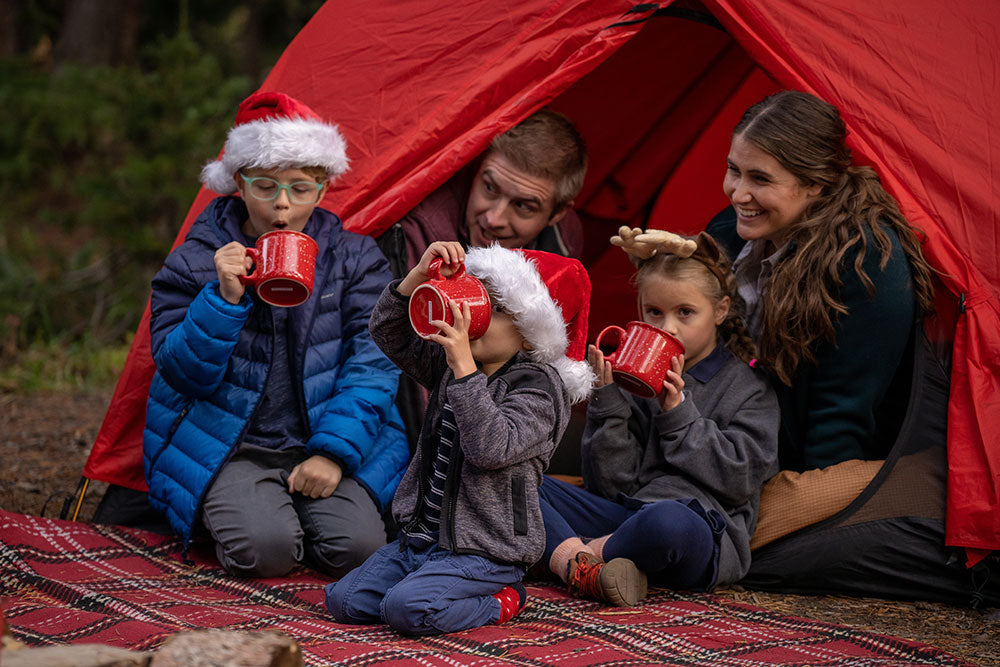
column 512, row 599
column 618, row 581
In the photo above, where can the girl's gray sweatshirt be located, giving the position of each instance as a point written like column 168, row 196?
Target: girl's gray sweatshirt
column 718, row 446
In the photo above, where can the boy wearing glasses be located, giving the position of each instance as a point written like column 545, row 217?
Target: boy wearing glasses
column 273, row 428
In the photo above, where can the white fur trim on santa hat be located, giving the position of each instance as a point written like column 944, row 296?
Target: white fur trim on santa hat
column 514, row 282
column 279, row 143
column 578, row 377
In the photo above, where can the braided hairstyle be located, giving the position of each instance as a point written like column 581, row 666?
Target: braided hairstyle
column 806, row 136
column 710, row 269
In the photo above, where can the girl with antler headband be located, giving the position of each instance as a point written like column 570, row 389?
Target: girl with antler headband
column 672, row 482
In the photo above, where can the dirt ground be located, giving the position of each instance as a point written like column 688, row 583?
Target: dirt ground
column 45, row 440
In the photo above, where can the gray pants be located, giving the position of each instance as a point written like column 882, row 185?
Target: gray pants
column 262, row 530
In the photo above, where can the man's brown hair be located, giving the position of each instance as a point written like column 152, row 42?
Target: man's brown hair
column 547, row 144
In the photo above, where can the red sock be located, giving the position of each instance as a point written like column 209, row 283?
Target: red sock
column 511, row 601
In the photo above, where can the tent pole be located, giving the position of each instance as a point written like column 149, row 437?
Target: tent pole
column 81, row 490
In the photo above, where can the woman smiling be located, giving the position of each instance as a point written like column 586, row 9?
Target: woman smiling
column 837, row 292
column 832, row 274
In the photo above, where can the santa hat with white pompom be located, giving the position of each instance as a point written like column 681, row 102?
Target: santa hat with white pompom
column 276, row 131
column 548, row 297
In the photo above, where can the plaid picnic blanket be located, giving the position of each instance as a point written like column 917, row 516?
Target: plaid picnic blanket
column 64, row 582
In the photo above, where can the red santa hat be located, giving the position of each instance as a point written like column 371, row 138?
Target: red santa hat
column 548, row 297
column 275, row 131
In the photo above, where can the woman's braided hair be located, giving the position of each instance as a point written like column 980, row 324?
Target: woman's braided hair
column 710, row 268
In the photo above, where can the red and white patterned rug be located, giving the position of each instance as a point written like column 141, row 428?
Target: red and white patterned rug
column 63, row 582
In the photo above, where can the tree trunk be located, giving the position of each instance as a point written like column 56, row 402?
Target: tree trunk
column 251, row 41
column 9, row 13
column 99, row 32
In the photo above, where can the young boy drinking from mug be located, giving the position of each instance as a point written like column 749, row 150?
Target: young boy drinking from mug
column 467, row 508
column 272, row 427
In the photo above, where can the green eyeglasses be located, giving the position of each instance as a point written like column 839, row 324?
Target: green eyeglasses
column 266, row 188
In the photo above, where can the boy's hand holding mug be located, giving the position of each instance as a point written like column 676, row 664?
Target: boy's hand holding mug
column 451, row 253
column 281, row 267
column 454, row 338
column 447, row 306
column 231, row 262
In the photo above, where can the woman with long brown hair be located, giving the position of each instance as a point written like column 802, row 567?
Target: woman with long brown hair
column 836, row 291
column 831, row 272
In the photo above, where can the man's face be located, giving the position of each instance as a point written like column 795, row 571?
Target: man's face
column 508, row 206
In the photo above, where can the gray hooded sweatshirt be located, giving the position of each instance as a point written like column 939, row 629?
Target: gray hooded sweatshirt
column 508, row 427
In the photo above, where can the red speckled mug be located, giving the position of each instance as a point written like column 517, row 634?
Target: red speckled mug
column 284, row 266
column 640, row 362
column 430, row 299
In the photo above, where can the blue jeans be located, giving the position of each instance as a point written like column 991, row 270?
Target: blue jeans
column 421, row 590
column 675, row 542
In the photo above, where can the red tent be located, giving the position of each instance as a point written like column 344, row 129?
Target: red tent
column 419, row 87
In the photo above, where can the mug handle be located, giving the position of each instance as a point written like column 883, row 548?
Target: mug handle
column 621, row 337
column 252, row 278
column 434, row 269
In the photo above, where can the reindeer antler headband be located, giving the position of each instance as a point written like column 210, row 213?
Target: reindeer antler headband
column 642, row 245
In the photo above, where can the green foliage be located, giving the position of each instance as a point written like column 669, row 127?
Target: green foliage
column 100, row 166
column 54, row 366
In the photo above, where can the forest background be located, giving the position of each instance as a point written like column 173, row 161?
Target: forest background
column 112, row 107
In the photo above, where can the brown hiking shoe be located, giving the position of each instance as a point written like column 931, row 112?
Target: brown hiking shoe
column 618, row 581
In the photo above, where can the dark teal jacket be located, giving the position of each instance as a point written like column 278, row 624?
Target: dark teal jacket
column 834, row 409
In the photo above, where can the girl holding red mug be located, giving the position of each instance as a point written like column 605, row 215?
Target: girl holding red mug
column 672, row 482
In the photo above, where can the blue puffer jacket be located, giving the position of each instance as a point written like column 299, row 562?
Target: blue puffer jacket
column 212, row 360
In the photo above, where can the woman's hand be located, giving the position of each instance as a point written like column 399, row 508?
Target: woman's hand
column 455, row 340
column 451, row 252
column 673, row 385
column 644, row 244
column 231, row 262
column 601, row 366
column 316, row 477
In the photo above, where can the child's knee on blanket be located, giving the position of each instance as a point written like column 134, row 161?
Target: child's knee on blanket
column 348, row 605
column 339, row 554
column 660, row 536
column 406, row 613
column 266, row 549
